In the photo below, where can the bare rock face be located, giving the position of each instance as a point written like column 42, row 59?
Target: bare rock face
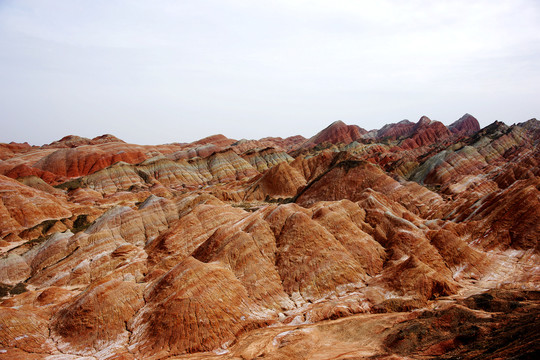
column 218, row 140
column 227, row 166
column 97, row 318
column 349, row 179
column 249, row 249
column 466, row 125
column 346, row 180
column 199, row 151
column 164, row 173
column 194, row 307
column 280, row 181
column 337, row 132
column 313, row 166
column 403, row 128
column 37, row 183
column 426, row 132
column 305, row 250
column 509, row 220
column 105, row 138
column 412, row 241
column 346, row 221
column 74, row 162
column 11, row 149
column 113, row 179
column 203, row 216
column 23, row 207
column 203, row 147
column 23, row 333
column 266, row 158
column 282, row 145
column 74, row 156
column 413, row 277
column 73, row 141
column 219, row 167
column 13, row 269
column 460, row 257
column 23, row 170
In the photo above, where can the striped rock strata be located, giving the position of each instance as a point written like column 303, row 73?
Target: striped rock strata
column 413, row 241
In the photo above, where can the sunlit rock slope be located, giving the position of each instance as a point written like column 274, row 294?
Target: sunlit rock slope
column 415, row 240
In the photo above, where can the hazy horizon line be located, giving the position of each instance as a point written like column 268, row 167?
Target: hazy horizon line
column 269, row 136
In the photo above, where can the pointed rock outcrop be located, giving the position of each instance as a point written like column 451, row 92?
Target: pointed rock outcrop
column 466, row 125
column 336, row 133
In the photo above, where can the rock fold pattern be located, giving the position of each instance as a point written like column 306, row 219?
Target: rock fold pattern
column 415, row 240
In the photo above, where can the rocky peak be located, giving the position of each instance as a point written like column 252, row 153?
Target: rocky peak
column 466, row 125
column 531, row 124
column 68, row 141
column 394, row 131
column 106, row 138
column 424, row 121
column 336, row 133
column 218, row 140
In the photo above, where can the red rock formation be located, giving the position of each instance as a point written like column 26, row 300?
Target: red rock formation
column 199, row 151
column 311, row 262
column 106, row 138
column 335, row 133
column 413, row 277
column 9, row 150
column 288, row 144
column 194, row 227
column 466, row 125
column 349, row 179
column 69, row 141
column 524, row 165
column 312, row 166
column 240, row 247
column 533, row 129
column 264, row 159
column 346, row 180
column 404, row 128
column 24, row 332
column 426, row 132
column 23, row 207
column 281, row 181
column 217, row 140
column 510, row 218
column 23, row 170
column 72, row 141
column 97, row 318
column 194, row 307
column 74, row 156
column 227, row 166
column 195, row 251
column 37, row 183
column 346, row 221
column 86, row 160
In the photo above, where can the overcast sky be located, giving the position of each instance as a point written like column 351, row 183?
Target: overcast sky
column 162, row 71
